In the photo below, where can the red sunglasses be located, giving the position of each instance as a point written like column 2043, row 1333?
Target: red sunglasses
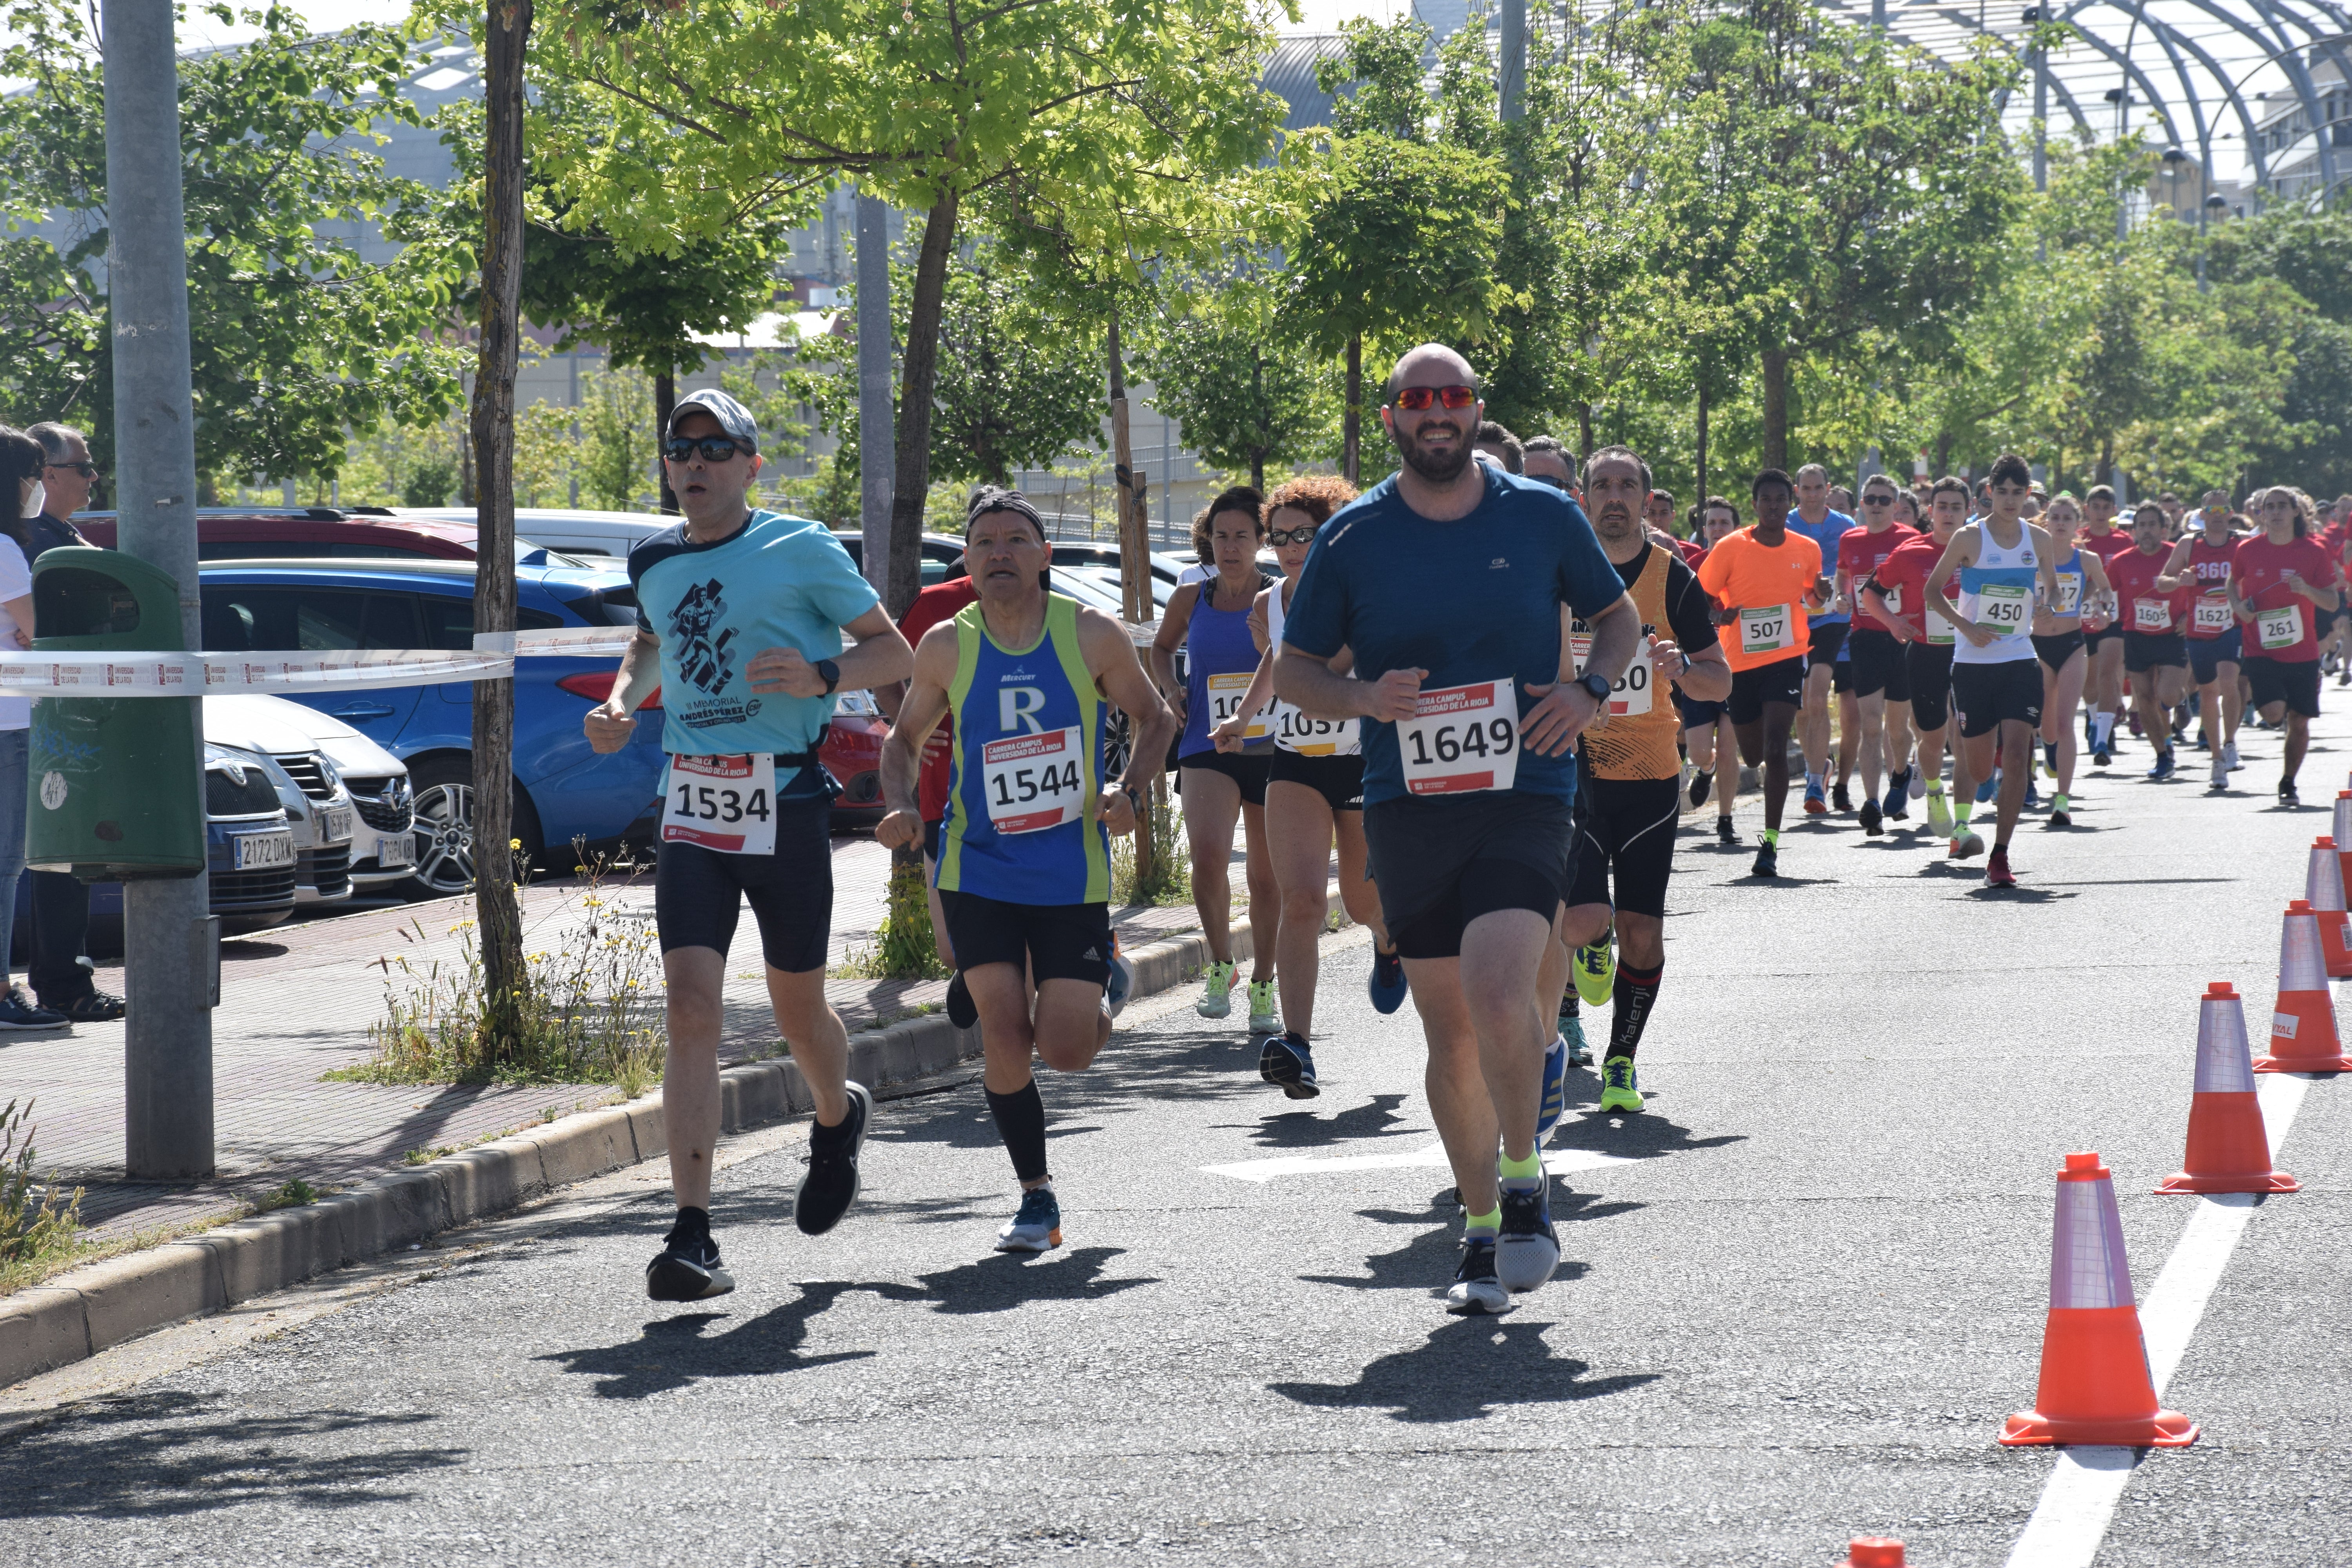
column 1416, row 398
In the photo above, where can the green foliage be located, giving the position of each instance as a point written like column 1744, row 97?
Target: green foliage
column 293, row 338
column 35, row 1226
column 616, row 439
column 1249, row 397
column 904, row 946
column 2309, row 251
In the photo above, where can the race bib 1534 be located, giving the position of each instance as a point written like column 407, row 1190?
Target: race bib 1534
column 723, row 803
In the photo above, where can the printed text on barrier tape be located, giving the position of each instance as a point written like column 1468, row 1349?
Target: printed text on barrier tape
column 204, row 674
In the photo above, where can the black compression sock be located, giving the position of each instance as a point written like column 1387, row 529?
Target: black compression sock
column 1567, row 1007
column 1020, row 1122
column 1636, row 993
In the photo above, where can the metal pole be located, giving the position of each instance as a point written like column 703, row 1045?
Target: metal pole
column 1514, row 71
column 878, row 453
column 168, row 1034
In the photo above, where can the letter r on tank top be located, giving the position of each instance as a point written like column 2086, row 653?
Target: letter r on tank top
column 1017, row 708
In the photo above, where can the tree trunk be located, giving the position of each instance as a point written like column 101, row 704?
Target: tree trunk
column 1129, row 507
column 665, row 400
column 1776, row 408
column 1700, row 500
column 495, row 910
column 1943, row 453
column 1583, row 438
column 1257, row 402
column 919, row 377
column 1352, row 429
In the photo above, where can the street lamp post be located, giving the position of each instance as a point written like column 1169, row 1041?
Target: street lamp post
column 168, row 1031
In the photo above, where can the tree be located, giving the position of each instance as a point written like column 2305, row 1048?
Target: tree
column 1220, row 367
column 929, row 104
column 294, row 339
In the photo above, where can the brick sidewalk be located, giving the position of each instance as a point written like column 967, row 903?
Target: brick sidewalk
column 295, row 1001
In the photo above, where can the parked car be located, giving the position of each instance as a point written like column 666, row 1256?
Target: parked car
column 569, row 529
column 307, row 743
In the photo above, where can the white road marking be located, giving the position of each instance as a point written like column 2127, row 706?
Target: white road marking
column 2079, row 1502
column 1558, row 1162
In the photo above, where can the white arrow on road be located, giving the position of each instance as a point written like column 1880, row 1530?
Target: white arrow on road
column 1558, row 1162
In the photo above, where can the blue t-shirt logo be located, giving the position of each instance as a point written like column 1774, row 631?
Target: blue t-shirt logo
column 707, row 661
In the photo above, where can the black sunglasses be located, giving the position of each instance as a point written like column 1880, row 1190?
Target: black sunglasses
column 714, row 449
column 87, row 470
column 1303, row 534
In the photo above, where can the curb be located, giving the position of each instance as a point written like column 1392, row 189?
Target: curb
column 101, row 1305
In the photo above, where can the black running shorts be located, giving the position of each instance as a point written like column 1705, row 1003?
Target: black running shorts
column 2274, row 681
column 1057, row 942
column 1827, row 638
column 1696, row 715
column 1247, row 769
column 2143, row 651
column 2096, row 640
column 2207, row 655
column 1782, row 681
column 698, row 893
column 2056, row 648
column 1443, row 861
column 1928, row 667
column 1626, row 834
column 1878, row 664
column 1989, row 694
column 1339, row 780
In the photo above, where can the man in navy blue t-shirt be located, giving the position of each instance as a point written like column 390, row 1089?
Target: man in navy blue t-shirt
column 1433, row 608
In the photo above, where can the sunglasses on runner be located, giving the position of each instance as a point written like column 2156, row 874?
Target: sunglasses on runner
column 714, row 449
column 87, row 470
column 1416, row 398
column 1278, row 537
column 1878, row 498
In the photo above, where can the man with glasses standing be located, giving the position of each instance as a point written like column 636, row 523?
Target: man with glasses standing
column 60, row 900
column 1446, row 582
column 740, row 621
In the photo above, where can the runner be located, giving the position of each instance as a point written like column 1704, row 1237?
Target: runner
column 2003, row 565
column 745, row 809
column 2276, row 579
column 2201, row 561
column 1896, row 594
column 1024, row 859
column 2156, row 652
column 1500, row 445
column 2104, row 683
column 1545, row 457
column 1766, row 577
column 1632, row 775
column 1882, row 695
column 1314, row 793
column 2059, row 629
column 1210, row 620
column 1708, row 736
column 1816, row 520
column 1447, row 583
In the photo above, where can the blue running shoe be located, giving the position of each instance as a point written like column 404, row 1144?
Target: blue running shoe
column 1990, row 787
column 1387, row 984
column 2164, row 766
column 1571, row 1029
column 1554, row 1104
column 1037, row 1228
column 1122, row 983
column 1528, row 1250
column 1286, row 1062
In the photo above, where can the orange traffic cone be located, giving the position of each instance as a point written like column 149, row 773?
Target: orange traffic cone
column 2095, row 1386
column 2228, row 1150
column 1873, row 1551
column 2303, row 1028
column 2343, row 834
column 2323, row 889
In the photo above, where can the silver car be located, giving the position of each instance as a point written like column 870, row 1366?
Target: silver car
column 318, row 809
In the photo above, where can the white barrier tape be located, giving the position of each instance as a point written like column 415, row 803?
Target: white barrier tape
column 570, row 642
column 39, row 674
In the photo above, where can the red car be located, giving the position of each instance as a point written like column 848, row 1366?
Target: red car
column 246, row 533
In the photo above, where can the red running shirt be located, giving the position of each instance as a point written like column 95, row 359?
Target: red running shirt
column 936, row 605
column 2260, row 567
column 1862, row 552
column 1903, row 576
column 2134, row 573
column 2208, row 564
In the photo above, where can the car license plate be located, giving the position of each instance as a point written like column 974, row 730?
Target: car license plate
column 397, row 849
column 338, row 822
column 255, row 851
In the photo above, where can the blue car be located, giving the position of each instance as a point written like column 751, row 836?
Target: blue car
column 563, row 790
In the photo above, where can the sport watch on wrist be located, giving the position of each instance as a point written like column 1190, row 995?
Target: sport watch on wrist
column 1595, row 685
column 831, row 672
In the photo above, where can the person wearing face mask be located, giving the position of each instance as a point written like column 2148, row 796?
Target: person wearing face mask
column 21, row 461
column 61, row 900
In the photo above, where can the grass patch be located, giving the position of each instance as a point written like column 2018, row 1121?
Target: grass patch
column 294, row 1194
column 39, row 1233
column 1170, row 882
column 905, row 948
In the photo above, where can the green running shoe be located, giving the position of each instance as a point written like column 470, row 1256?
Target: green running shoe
column 1596, row 970
column 1940, row 815
column 1216, row 991
column 1262, row 1017
column 1620, row 1086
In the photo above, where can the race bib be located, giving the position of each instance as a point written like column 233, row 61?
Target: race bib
column 2007, row 607
column 2070, row 594
column 1767, row 630
column 725, row 803
column 1295, row 733
column 1893, row 597
column 1630, row 696
column 2211, row 615
column 1226, row 694
column 2152, row 615
column 2282, row 627
column 1034, row 781
column 1461, row 738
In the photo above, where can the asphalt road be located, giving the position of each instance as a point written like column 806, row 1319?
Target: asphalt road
column 1798, row 1300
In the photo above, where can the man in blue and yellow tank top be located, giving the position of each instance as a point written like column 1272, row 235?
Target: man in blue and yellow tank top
column 1023, row 871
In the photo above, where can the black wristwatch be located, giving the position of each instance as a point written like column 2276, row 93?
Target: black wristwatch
column 832, row 673
column 1594, row 684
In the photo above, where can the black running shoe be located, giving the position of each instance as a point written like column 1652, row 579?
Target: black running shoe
column 1840, row 801
column 829, row 1185
column 961, row 1012
column 1724, row 832
column 1768, row 861
column 2286, row 794
column 1701, row 782
column 1477, row 1292
column 1526, row 1250
column 1873, row 819
column 686, row 1268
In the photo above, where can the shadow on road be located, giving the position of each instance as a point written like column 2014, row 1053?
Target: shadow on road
column 1462, row 1371
column 151, row 1455
column 676, row 1352
column 1380, row 1117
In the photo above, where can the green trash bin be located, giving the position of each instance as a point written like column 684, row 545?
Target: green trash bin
column 117, row 783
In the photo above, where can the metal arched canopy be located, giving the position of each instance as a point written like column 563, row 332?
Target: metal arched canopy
column 2229, row 89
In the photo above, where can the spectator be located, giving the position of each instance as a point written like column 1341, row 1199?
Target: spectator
column 21, row 460
column 61, row 901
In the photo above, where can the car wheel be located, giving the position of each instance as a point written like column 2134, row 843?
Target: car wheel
column 1119, row 744
column 444, row 789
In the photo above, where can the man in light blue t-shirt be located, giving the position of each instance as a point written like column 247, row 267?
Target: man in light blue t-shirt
column 740, row 621
column 1819, row 522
